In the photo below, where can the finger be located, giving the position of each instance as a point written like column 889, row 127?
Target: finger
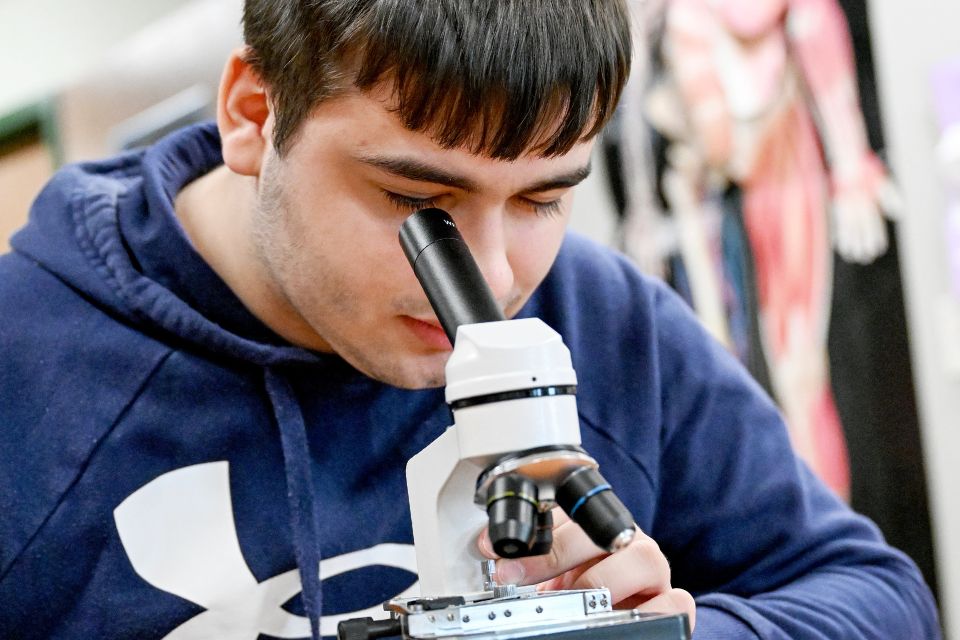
column 559, row 517
column 670, row 602
column 571, row 548
column 485, row 546
column 640, row 569
column 568, row 579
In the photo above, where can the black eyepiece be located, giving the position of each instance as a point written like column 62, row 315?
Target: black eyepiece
column 590, row 502
column 447, row 271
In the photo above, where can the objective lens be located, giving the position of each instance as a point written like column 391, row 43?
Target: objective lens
column 590, row 502
column 512, row 507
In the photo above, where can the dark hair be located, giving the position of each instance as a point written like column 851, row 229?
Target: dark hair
column 497, row 77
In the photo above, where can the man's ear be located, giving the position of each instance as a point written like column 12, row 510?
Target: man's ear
column 243, row 116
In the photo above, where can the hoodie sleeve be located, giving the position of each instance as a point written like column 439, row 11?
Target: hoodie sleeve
column 766, row 549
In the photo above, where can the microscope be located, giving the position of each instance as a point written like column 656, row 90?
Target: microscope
column 511, row 456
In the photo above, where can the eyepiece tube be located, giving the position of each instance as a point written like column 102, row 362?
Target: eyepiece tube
column 447, row 271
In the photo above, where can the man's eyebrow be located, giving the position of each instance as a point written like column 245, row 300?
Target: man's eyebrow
column 413, row 169
column 563, row 181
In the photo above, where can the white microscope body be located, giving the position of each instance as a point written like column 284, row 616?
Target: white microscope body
column 489, row 358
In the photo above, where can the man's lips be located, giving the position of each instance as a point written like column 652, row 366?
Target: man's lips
column 428, row 332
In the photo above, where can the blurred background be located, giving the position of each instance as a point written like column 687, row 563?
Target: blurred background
column 791, row 167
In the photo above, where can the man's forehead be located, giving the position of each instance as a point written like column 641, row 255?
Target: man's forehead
column 368, row 130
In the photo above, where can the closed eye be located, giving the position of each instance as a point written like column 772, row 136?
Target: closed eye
column 408, row 204
column 548, row 209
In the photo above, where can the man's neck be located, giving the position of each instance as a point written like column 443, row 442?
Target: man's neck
column 216, row 212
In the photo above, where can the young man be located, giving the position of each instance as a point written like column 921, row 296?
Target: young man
column 216, row 361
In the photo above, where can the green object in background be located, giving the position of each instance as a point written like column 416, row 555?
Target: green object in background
column 29, row 124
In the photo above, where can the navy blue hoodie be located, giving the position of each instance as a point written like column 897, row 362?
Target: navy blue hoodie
column 170, row 468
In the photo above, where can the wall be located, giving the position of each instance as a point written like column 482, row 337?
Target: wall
column 909, row 38
column 22, row 173
column 44, row 43
column 594, row 213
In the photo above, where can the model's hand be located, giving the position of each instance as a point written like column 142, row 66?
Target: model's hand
column 859, row 231
column 638, row 576
column 862, row 197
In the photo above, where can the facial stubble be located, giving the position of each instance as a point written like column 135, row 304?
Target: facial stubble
column 297, row 272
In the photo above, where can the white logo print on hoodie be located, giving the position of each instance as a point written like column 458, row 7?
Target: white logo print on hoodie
column 180, row 536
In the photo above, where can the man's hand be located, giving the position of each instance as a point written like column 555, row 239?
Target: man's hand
column 638, row 576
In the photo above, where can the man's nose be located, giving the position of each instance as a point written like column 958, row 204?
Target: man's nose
column 486, row 235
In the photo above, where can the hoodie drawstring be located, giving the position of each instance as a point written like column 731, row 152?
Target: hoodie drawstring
column 300, row 494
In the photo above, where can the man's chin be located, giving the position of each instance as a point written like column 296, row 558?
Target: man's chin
column 415, row 383
column 406, row 371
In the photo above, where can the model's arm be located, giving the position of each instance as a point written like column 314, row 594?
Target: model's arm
column 821, row 45
column 689, row 53
column 765, row 548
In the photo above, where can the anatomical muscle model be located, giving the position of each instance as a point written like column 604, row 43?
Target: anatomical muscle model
column 769, row 101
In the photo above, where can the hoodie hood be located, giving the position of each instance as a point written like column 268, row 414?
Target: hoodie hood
column 108, row 230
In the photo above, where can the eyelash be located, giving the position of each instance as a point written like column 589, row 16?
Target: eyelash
column 408, row 204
